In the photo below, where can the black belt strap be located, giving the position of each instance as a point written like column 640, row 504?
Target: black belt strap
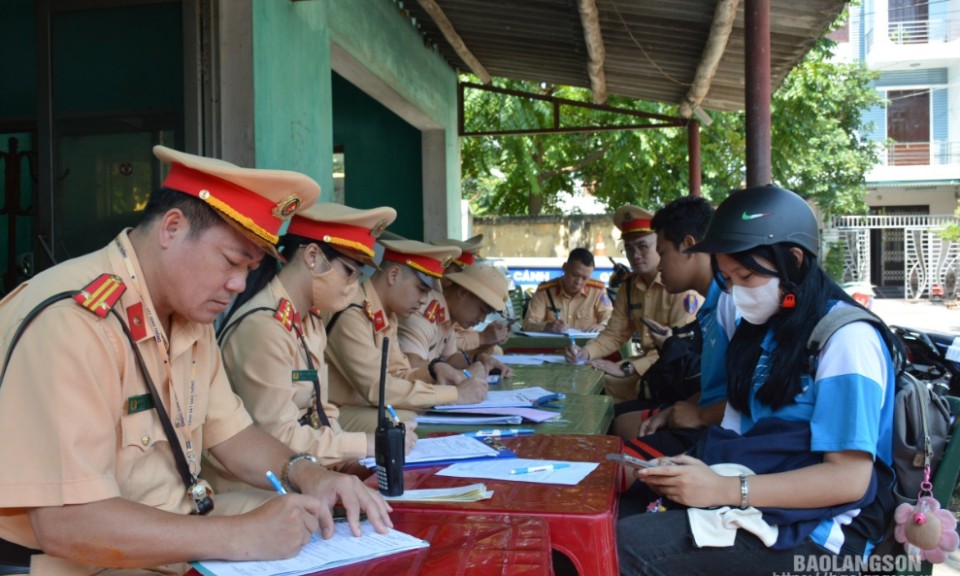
column 553, row 306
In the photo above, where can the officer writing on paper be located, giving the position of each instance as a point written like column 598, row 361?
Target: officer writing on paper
column 641, row 296
column 273, row 340
column 572, row 301
column 355, row 341
column 112, row 392
column 472, row 341
column 428, row 336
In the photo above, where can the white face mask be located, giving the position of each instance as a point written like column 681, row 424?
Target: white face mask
column 759, row 303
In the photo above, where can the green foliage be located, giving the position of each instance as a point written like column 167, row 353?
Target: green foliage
column 952, row 232
column 818, row 150
column 833, row 263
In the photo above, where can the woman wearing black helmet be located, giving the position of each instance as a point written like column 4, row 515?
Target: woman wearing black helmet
column 807, row 441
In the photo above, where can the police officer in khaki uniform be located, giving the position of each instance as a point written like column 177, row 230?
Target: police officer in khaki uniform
column 427, row 336
column 640, row 296
column 98, row 470
column 472, row 341
column 574, row 300
column 273, row 340
column 355, row 342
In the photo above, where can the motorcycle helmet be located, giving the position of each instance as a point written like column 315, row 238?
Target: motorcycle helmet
column 760, row 216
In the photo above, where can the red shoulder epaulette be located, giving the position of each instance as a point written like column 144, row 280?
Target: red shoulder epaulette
column 548, row 284
column 285, row 313
column 100, row 295
column 594, row 283
column 433, row 309
column 379, row 322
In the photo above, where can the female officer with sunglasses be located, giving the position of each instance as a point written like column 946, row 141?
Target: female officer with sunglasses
column 273, row 340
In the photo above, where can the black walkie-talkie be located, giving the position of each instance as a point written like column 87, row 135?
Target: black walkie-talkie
column 389, row 440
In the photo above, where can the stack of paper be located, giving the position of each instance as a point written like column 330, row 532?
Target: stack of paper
column 509, row 406
column 531, row 359
column 469, row 493
column 344, row 548
column 569, row 332
column 442, row 449
column 467, row 420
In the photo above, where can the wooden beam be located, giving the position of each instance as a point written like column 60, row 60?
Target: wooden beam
column 456, row 42
column 720, row 29
column 596, row 54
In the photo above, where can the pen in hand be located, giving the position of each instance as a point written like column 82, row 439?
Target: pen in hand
column 275, row 482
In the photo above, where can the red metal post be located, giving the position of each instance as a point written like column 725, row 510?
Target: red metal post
column 757, row 72
column 693, row 151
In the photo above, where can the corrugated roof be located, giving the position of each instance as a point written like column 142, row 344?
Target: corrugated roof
column 653, row 47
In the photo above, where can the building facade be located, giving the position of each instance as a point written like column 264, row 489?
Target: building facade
column 324, row 87
column 914, row 45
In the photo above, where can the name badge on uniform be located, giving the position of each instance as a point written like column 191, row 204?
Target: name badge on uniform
column 302, row 375
column 139, row 403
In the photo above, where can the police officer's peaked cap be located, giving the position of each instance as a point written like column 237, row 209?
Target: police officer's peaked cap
column 469, row 248
column 347, row 230
column 633, row 220
column 254, row 201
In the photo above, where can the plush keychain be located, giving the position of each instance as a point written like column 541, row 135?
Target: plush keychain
column 924, row 529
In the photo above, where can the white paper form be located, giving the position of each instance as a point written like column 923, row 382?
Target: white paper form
column 443, row 448
column 530, row 359
column 343, row 548
column 500, row 470
column 570, row 332
column 520, row 398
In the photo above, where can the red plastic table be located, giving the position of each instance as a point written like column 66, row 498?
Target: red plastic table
column 582, row 518
column 475, row 544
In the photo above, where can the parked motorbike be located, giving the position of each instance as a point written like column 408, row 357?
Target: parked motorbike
column 927, row 357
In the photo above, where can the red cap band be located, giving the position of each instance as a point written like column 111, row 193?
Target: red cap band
column 425, row 264
column 636, row 225
column 247, row 208
column 465, row 259
column 346, row 235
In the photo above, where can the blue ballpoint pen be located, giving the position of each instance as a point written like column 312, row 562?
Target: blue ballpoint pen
column 393, row 414
column 544, row 468
column 467, row 373
column 275, row 482
column 501, row 433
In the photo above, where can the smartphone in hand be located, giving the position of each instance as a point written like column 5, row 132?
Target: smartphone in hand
column 659, row 331
column 631, row 461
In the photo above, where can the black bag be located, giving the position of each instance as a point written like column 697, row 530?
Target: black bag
column 675, row 375
column 921, row 418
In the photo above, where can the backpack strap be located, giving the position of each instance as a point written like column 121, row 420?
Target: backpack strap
column 844, row 315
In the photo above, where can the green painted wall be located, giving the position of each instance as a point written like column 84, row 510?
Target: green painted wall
column 294, row 108
column 292, row 99
column 382, row 159
column 18, row 29
column 117, row 59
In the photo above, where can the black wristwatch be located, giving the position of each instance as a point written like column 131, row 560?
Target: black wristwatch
column 627, row 368
column 432, row 367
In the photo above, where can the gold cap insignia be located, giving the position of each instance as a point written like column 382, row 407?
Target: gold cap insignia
column 445, row 263
column 286, row 207
column 378, row 229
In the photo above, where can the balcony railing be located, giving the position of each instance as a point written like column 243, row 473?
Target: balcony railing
column 937, row 153
column 918, row 32
column 926, row 221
